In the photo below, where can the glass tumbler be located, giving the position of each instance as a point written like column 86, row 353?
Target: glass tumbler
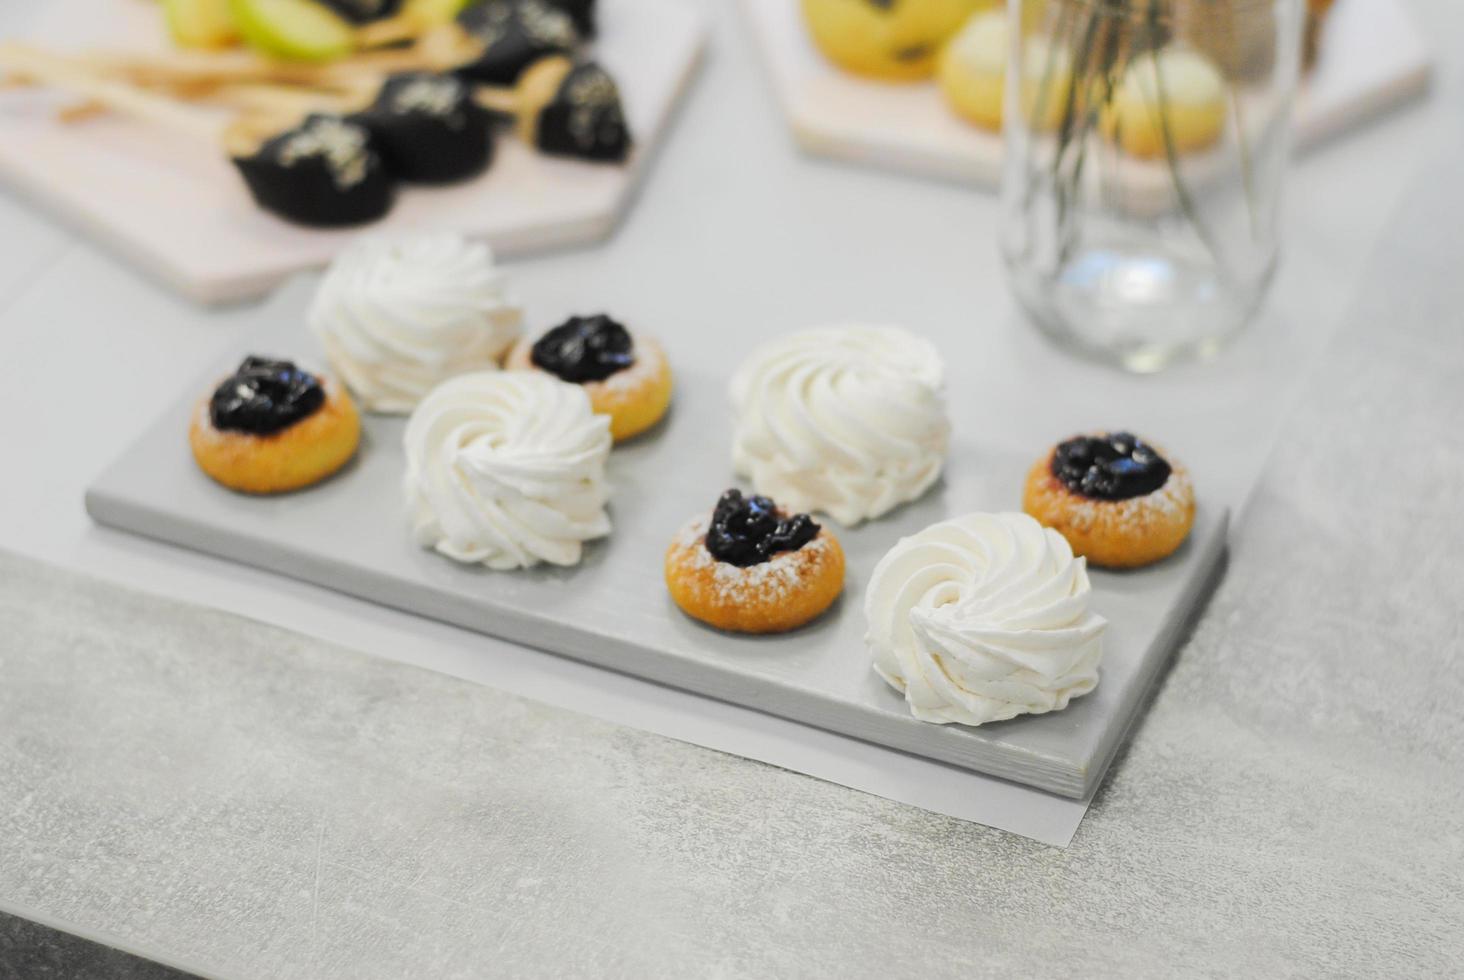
column 1147, row 142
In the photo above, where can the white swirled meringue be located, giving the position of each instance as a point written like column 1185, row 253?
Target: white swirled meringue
column 396, row 316
column 507, row 468
column 982, row 618
column 846, row 420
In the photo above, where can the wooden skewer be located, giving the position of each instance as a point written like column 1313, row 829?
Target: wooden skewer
column 344, row 183
column 406, row 25
column 396, row 29
column 81, row 111
column 500, row 100
column 66, row 74
column 434, row 51
column 286, row 100
column 535, row 89
column 243, row 97
column 99, row 94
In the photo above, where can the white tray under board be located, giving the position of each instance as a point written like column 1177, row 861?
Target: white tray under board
column 177, row 208
column 1372, row 57
column 350, row 534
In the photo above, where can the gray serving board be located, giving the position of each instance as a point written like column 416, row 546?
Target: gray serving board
column 350, row 534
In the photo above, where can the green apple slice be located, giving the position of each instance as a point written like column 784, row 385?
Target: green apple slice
column 200, row 23
column 299, row 30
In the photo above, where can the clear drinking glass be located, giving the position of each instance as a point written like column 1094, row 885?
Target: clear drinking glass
column 1147, row 142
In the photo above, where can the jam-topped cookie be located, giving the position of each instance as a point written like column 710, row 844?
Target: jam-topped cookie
column 584, row 348
column 626, row 375
column 749, row 567
column 1118, row 500
column 271, row 427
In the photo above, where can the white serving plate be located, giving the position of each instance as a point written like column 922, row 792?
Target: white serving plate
column 350, row 534
column 177, row 208
column 1372, row 58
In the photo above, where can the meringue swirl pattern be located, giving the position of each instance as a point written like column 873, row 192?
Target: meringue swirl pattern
column 982, row 618
column 507, row 469
column 398, row 316
column 849, row 421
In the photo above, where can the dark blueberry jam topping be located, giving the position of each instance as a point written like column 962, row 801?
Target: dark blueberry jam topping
column 1115, row 466
column 265, row 396
column 585, row 348
column 750, row 530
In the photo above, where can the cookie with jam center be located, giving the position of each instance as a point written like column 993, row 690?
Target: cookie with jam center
column 625, row 373
column 1119, row 500
column 271, row 427
column 751, row 567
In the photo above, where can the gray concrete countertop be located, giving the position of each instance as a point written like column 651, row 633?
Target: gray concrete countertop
column 238, row 799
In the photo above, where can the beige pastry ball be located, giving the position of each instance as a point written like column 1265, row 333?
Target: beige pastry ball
column 972, row 70
column 896, row 40
column 1173, row 98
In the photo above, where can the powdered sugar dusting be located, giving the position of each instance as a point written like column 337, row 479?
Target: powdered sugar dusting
column 649, row 360
column 1170, row 502
column 783, row 575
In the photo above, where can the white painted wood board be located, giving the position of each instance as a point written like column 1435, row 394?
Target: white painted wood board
column 177, row 209
column 350, row 534
column 1373, row 57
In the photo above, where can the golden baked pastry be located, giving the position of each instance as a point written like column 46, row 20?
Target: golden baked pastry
column 749, row 567
column 972, row 71
column 1118, row 500
column 271, row 427
column 627, row 376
